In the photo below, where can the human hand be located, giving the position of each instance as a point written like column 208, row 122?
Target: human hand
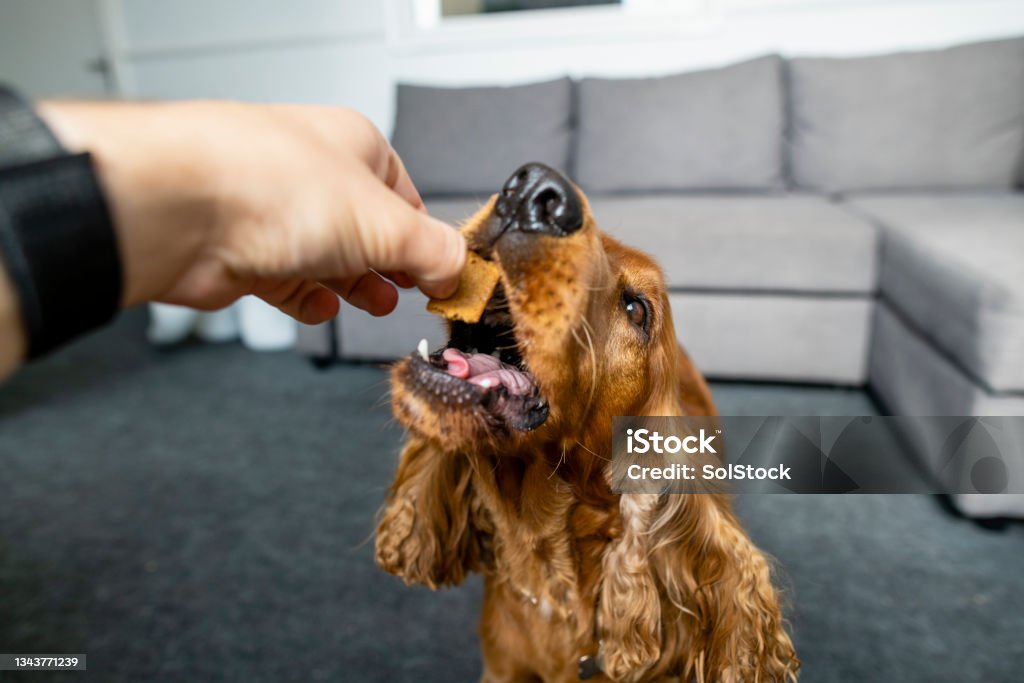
column 214, row 200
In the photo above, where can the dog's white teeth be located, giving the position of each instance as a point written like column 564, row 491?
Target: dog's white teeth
column 423, row 349
column 496, row 354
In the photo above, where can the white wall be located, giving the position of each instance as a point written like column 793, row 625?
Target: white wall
column 353, row 51
column 51, row 47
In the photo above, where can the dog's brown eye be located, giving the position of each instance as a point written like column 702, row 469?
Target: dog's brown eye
column 637, row 314
column 636, row 311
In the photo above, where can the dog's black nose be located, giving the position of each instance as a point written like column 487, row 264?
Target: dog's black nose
column 537, row 198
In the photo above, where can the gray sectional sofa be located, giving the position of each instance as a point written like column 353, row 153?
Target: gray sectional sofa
column 846, row 221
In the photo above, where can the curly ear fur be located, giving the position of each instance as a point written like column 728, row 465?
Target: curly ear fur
column 727, row 615
column 629, row 611
column 429, row 528
column 685, row 591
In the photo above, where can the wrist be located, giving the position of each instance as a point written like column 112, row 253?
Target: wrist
column 157, row 183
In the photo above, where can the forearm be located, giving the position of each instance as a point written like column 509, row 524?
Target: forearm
column 12, row 330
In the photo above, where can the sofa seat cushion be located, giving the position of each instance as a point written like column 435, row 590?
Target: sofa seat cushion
column 953, row 267
column 926, row 120
column 714, row 129
column 775, row 337
column 457, row 141
column 781, row 243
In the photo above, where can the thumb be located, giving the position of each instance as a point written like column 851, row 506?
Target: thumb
column 429, row 251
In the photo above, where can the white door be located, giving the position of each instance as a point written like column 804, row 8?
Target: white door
column 52, row 48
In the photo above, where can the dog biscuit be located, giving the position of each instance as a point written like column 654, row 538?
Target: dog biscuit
column 476, row 284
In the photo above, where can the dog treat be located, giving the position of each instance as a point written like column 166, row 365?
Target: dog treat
column 477, row 283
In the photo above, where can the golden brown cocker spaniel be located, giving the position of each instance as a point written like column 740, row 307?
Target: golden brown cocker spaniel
column 505, row 471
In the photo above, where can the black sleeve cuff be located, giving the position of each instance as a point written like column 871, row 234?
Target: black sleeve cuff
column 58, row 242
column 24, row 137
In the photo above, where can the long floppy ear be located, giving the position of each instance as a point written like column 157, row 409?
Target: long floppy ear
column 429, row 531
column 630, row 611
column 727, row 624
column 685, row 589
column 721, row 611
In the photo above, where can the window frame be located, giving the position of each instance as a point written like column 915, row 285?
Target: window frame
column 417, row 25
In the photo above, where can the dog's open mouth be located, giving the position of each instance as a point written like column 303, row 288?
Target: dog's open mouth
column 481, row 369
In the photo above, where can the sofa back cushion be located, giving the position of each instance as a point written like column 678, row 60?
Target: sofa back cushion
column 467, row 141
column 715, row 129
column 950, row 118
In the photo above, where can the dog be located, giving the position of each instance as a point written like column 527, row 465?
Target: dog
column 505, row 471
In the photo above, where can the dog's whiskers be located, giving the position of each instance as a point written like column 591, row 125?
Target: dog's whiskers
column 593, row 362
column 559, row 463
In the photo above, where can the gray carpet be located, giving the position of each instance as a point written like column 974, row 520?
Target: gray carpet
column 204, row 515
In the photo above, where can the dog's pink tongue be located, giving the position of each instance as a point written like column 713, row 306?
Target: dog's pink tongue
column 486, row 371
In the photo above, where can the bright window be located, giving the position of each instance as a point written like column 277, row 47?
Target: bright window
column 453, row 8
